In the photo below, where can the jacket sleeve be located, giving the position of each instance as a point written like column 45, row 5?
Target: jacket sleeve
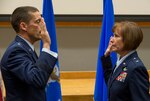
column 33, row 73
column 107, row 67
column 139, row 85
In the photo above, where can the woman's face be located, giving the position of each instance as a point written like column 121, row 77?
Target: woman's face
column 117, row 43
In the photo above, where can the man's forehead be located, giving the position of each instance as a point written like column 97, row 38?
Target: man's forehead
column 35, row 15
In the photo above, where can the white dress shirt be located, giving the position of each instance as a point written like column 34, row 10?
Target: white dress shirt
column 119, row 61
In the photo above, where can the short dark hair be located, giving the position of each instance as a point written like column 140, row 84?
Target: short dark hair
column 21, row 14
column 131, row 33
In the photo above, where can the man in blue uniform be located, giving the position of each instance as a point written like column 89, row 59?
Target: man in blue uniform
column 25, row 74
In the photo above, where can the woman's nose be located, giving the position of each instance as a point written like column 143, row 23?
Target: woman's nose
column 112, row 38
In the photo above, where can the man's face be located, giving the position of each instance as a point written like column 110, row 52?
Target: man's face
column 34, row 27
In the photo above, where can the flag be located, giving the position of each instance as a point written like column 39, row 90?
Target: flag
column 1, row 95
column 100, row 92
column 1, row 88
column 53, row 89
column 1, row 99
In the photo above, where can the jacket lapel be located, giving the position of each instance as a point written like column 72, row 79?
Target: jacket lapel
column 121, row 68
column 26, row 47
column 116, row 74
column 33, row 54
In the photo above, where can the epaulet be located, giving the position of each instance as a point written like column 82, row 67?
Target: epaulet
column 18, row 43
column 136, row 60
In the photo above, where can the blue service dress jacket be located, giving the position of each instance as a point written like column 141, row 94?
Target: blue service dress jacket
column 25, row 75
column 129, row 82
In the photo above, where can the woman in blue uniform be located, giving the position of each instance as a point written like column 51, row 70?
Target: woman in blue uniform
column 128, row 80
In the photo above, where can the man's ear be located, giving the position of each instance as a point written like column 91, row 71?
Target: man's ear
column 23, row 26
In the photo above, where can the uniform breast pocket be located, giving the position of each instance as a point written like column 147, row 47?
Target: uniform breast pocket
column 118, row 86
column 122, row 77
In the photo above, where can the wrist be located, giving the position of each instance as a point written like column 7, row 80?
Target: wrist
column 46, row 45
column 107, row 54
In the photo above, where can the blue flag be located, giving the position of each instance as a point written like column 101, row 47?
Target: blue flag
column 100, row 93
column 53, row 89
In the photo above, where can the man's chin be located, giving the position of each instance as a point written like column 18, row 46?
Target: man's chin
column 37, row 39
